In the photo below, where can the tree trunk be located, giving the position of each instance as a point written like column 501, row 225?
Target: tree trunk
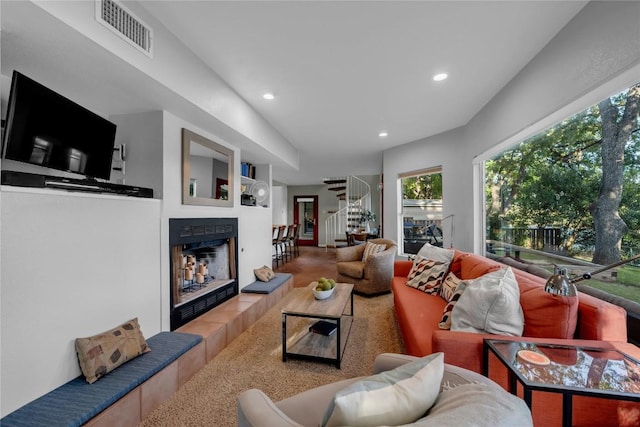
column 609, row 227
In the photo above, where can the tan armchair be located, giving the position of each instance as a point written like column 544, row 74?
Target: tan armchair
column 372, row 276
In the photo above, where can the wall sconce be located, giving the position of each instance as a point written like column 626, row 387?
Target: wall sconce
column 561, row 284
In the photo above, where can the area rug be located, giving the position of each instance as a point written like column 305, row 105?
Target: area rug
column 254, row 360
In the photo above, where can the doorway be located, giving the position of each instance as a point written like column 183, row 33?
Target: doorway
column 305, row 213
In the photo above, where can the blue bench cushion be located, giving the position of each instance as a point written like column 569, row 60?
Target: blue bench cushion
column 76, row 402
column 258, row 287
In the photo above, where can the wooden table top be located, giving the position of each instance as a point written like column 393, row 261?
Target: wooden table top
column 332, row 307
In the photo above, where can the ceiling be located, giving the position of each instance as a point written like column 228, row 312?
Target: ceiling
column 344, row 71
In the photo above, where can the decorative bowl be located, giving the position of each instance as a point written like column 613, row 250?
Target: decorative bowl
column 322, row 294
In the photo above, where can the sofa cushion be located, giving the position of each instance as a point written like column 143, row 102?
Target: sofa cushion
column 102, row 353
column 456, row 262
column 353, row 269
column 477, row 405
column 427, row 275
column 395, row 397
column 474, row 266
column 418, row 315
column 545, row 315
column 490, row 304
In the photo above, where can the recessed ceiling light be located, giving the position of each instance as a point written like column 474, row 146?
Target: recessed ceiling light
column 440, row 77
column 269, row 96
column 383, row 134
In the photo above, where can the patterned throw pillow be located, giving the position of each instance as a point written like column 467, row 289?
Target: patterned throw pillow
column 264, row 273
column 449, row 286
column 372, row 248
column 445, row 322
column 102, row 353
column 427, row 275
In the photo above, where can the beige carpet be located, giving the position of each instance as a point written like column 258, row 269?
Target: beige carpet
column 254, row 360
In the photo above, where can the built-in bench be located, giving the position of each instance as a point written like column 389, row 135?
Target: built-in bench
column 125, row 396
column 122, row 397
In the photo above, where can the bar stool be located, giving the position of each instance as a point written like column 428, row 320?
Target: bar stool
column 282, row 244
column 276, row 235
column 291, row 237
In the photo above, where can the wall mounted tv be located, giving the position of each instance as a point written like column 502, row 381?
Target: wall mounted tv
column 49, row 130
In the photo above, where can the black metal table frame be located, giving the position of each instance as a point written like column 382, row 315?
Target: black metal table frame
column 567, row 392
column 338, row 360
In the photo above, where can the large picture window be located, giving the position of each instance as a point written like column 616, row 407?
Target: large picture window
column 421, row 209
column 570, row 195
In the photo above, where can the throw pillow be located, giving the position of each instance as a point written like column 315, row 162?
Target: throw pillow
column 427, row 275
column 399, row 396
column 264, row 273
column 445, row 322
column 490, row 304
column 436, row 253
column 478, row 405
column 372, row 248
column 449, row 286
column 102, row 353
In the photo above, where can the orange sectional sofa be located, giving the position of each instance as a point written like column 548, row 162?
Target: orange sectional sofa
column 585, row 320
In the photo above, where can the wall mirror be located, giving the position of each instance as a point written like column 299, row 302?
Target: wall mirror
column 207, row 171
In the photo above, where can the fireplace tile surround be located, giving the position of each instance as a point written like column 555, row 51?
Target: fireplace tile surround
column 204, row 260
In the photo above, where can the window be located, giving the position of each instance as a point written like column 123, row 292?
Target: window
column 421, row 209
column 570, row 195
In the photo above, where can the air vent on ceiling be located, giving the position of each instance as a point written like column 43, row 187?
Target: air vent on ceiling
column 129, row 27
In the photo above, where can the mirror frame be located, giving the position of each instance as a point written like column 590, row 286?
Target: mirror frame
column 187, row 138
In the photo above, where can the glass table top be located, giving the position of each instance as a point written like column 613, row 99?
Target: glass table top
column 572, row 367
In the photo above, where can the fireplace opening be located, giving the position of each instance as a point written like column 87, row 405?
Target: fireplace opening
column 203, row 265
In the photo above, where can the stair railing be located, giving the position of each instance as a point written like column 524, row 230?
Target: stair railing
column 358, row 198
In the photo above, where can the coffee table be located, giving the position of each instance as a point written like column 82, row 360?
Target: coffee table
column 299, row 314
column 566, row 369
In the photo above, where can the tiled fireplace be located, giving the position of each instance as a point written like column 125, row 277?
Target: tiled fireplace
column 204, row 259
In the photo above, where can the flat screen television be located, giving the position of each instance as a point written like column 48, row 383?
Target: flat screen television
column 44, row 128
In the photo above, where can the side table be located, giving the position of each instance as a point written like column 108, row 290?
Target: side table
column 586, row 371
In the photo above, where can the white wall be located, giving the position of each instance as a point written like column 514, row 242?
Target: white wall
column 599, row 46
column 254, row 223
column 142, row 135
column 73, row 265
column 279, row 204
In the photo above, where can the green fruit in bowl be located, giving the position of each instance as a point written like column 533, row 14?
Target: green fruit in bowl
column 326, row 286
column 333, row 283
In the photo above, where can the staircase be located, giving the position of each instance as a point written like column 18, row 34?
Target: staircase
column 354, row 196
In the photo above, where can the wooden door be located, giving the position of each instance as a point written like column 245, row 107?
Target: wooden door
column 305, row 213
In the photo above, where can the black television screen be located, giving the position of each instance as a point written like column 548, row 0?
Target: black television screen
column 49, row 130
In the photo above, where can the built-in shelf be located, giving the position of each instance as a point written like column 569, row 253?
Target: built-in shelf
column 262, row 173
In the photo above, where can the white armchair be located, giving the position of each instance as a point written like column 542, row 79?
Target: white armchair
column 484, row 403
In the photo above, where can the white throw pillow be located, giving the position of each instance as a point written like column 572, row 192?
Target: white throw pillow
column 490, row 304
column 399, row 396
column 436, row 253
